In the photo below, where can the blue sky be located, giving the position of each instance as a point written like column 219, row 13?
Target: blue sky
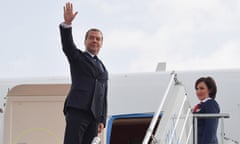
column 186, row 34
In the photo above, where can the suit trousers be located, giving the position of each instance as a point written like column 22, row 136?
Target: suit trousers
column 81, row 127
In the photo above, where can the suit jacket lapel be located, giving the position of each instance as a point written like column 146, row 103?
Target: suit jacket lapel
column 97, row 71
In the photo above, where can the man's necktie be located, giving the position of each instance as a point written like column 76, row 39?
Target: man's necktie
column 98, row 63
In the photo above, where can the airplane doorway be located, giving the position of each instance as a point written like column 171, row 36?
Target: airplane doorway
column 128, row 129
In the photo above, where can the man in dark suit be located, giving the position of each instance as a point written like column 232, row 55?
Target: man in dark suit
column 85, row 107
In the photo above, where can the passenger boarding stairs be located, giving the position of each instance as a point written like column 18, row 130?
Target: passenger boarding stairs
column 176, row 122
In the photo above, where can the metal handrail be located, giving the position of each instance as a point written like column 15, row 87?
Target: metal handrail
column 178, row 118
column 156, row 115
column 209, row 116
column 184, row 125
column 215, row 115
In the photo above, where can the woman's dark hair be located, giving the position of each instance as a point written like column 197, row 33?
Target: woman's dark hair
column 211, row 85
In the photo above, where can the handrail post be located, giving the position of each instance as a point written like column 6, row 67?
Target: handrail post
column 222, row 130
column 195, row 130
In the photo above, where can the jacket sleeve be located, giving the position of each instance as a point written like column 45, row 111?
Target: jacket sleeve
column 68, row 46
column 104, row 116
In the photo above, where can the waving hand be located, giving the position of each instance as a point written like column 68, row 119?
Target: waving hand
column 69, row 15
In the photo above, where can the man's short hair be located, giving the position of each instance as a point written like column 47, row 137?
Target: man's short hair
column 93, row 29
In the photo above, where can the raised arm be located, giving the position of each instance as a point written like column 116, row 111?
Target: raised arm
column 69, row 15
column 68, row 45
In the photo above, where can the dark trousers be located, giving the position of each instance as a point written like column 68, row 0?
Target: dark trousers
column 81, row 127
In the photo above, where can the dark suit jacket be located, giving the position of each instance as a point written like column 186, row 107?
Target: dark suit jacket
column 89, row 85
column 207, row 128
